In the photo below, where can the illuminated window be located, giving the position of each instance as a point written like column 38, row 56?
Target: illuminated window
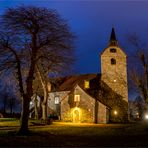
column 112, row 50
column 77, row 98
column 113, row 61
column 56, row 100
column 86, row 84
column 115, row 80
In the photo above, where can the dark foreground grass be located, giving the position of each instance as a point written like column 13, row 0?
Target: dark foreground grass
column 75, row 135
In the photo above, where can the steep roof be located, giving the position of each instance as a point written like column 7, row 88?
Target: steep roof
column 113, row 40
column 98, row 89
column 69, row 82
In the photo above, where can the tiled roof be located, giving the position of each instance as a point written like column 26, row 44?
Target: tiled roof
column 69, row 82
column 72, row 81
column 98, row 89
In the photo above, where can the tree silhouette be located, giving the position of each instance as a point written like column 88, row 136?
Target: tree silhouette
column 139, row 72
column 29, row 36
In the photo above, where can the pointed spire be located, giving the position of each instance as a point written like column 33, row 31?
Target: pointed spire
column 113, row 40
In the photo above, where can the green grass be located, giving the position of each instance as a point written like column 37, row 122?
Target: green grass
column 7, row 119
column 78, row 135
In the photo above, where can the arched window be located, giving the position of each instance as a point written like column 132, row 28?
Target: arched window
column 113, row 61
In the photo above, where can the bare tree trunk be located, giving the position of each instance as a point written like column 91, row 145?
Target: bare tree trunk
column 24, row 116
column 4, row 107
column 36, row 107
column 145, row 91
column 11, row 109
column 44, row 103
column 44, row 113
column 26, row 99
column 45, row 90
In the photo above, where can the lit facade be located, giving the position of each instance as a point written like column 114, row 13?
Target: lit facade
column 94, row 98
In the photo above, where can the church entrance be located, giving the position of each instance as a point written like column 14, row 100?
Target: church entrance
column 76, row 115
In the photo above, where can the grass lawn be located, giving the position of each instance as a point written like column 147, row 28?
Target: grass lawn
column 75, row 135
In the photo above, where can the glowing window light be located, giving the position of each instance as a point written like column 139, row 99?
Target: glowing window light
column 57, row 100
column 115, row 112
column 86, row 84
column 146, row 116
column 77, row 98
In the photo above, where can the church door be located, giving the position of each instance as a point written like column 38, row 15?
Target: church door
column 76, row 116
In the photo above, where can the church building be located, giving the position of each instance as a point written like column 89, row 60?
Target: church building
column 94, row 98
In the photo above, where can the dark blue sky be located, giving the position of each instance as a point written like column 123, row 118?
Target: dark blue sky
column 91, row 21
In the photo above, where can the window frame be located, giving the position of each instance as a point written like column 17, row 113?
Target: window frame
column 56, row 101
column 86, row 84
column 77, row 98
column 113, row 50
column 113, row 61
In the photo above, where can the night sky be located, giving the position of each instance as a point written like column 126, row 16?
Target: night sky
column 91, row 21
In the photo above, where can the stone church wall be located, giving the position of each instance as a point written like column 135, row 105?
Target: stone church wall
column 86, row 108
column 102, row 113
column 115, row 76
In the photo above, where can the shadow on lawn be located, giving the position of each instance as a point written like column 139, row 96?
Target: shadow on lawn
column 68, row 135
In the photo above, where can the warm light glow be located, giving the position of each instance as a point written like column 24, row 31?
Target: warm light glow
column 146, row 116
column 86, row 84
column 115, row 112
column 115, row 80
column 76, row 113
column 57, row 100
column 77, row 98
column 31, row 103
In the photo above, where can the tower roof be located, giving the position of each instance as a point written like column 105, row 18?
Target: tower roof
column 113, row 41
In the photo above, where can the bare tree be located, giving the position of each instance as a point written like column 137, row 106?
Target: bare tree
column 44, row 83
column 30, row 36
column 139, row 72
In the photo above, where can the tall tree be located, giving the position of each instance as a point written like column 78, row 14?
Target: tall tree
column 29, row 36
column 139, row 72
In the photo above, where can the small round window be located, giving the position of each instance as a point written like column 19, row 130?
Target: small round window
column 113, row 61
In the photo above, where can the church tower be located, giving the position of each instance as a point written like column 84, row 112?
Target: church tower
column 114, row 67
